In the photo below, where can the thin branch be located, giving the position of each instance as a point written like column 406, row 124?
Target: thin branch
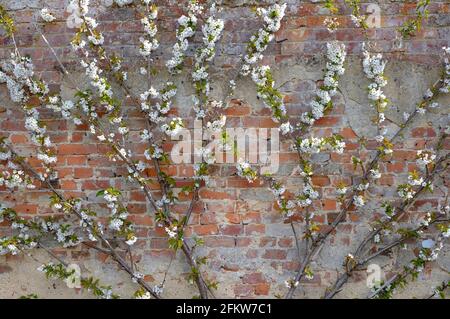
column 386, row 284
column 112, row 252
column 320, row 240
column 342, row 280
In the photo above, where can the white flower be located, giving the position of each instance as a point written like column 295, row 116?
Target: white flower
column 341, row 190
column 131, row 241
column 123, row 130
column 357, row 20
column 331, row 24
column 309, row 276
column 218, row 125
column 358, row 201
column 146, row 47
column 424, row 158
column 245, row 170
column 312, row 145
column 415, row 181
column 47, row 16
column 172, row 231
column 173, row 128
column 406, row 116
column 77, row 121
column 116, row 224
column 144, row 296
column 4, row 155
column 146, row 135
column 232, row 85
column 286, row 128
column 101, row 138
column 362, row 187
column 291, row 283
column 310, row 193
column 376, row 238
column 405, row 193
column 428, row 94
column 184, row 32
column 122, row 3
column 375, row 174
column 13, row 249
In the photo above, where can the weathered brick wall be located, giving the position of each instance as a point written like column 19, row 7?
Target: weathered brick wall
column 250, row 246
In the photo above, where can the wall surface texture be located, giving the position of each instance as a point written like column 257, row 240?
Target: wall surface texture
column 250, row 246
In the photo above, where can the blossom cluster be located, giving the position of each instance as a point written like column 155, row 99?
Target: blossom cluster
column 406, row 191
column 446, row 80
column 103, row 88
column 118, row 221
column 245, row 170
column 286, row 205
column 172, row 231
column 314, row 145
column 358, row 18
column 425, row 158
column 212, row 30
column 336, row 55
column 90, row 33
column 156, row 113
column 31, row 231
column 122, row 3
column 217, row 125
column 259, row 42
column 13, row 245
column 18, row 73
column 374, row 66
column 64, row 233
column 201, row 174
column 57, row 105
column 149, row 43
column 173, row 128
column 262, row 77
column 331, row 24
column 60, row 271
column 14, row 177
column 306, row 197
column 186, row 29
column 47, row 16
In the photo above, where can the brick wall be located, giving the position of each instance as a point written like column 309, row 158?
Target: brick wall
column 250, row 246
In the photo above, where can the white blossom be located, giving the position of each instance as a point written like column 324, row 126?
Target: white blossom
column 358, row 201
column 286, row 128
column 47, row 16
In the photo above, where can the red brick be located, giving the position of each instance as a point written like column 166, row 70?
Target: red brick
column 262, row 289
column 203, row 230
column 83, row 172
column 275, row 254
column 253, row 278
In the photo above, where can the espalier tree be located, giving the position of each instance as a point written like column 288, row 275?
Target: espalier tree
column 99, row 106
